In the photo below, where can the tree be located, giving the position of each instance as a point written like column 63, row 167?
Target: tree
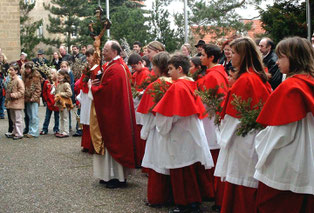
column 128, row 21
column 65, row 18
column 160, row 27
column 286, row 18
column 28, row 36
column 219, row 16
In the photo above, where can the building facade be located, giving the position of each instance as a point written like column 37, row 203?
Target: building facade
column 10, row 29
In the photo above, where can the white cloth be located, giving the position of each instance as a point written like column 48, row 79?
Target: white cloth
column 184, row 141
column 237, row 157
column 155, row 145
column 86, row 103
column 286, row 156
column 211, row 132
column 106, row 168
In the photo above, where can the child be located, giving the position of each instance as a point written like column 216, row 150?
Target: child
column 140, row 72
column 285, row 166
column 65, row 66
column 215, row 77
column 187, row 154
column 237, row 158
column 85, row 101
column 197, row 70
column 48, row 96
column 63, row 90
column 32, row 83
column 158, row 186
column 15, row 101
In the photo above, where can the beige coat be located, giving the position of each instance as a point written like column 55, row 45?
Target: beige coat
column 64, row 90
column 14, row 97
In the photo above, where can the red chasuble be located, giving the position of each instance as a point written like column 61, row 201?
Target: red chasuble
column 214, row 76
column 115, row 113
column 139, row 77
column 181, row 100
column 248, row 85
column 147, row 101
column 290, row 102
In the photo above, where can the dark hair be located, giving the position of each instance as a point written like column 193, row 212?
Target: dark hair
column 198, row 63
column 65, row 74
column 116, row 46
column 300, row 53
column 147, row 61
column 29, row 65
column 270, row 43
column 134, row 58
column 212, row 50
column 180, row 61
column 137, row 43
column 90, row 52
column 160, row 60
column 250, row 56
column 74, row 45
column 15, row 66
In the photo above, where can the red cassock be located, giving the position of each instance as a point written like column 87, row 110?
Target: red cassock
column 238, row 198
column 158, row 185
column 190, row 184
column 139, row 77
column 289, row 103
column 115, row 113
column 215, row 76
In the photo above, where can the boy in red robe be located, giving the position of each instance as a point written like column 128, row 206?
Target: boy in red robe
column 216, row 76
column 187, row 154
column 140, row 72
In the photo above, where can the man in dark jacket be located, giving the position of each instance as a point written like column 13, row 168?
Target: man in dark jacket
column 266, row 46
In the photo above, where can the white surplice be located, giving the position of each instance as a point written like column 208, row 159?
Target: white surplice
column 237, row 157
column 86, row 103
column 286, row 156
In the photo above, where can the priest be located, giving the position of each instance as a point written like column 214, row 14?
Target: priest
column 112, row 96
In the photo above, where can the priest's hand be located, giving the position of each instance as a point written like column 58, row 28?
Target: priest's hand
column 95, row 82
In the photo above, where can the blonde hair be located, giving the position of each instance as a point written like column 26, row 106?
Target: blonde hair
column 188, row 47
column 156, row 46
column 300, row 53
column 64, row 63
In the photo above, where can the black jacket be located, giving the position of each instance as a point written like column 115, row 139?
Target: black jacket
column 270, row 62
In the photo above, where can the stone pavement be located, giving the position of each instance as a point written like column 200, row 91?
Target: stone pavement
column 48, row 174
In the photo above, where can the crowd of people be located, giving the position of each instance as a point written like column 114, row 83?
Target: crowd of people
column 146, row 109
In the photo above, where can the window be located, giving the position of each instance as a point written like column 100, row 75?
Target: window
column 29, row 1
column 74, row 32
column 40, row 31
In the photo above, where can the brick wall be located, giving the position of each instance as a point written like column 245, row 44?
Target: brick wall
column 10, row 29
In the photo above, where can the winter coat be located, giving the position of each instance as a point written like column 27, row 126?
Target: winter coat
column 14, row 98
column 48, row 97
column 32, row 87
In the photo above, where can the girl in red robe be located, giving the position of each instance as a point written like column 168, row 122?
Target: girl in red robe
column 285, row 148
column 158, row 187
column 237, row 157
